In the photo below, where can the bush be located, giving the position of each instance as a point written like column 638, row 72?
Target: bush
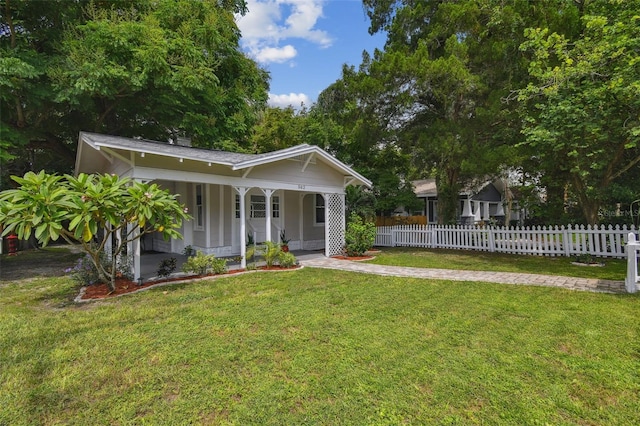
column 271, row 253
column 286, row 259
column 167, row 267
column 85, row 272
column 201, row 263
column 359, row 236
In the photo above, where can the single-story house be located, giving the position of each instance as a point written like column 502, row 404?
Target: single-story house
column 299, row 191
column 485, row 202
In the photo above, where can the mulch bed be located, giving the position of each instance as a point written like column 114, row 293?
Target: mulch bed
column 124, row 286
column 353, row 258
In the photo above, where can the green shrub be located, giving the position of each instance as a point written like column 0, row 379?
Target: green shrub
column 167, row 267
column 85, row 272
column 271, row 253
column 286, row 259
column 359, row 236
column 218, row 266
column 201, row 264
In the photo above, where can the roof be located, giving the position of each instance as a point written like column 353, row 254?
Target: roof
column 428, row 188
column 235, row 160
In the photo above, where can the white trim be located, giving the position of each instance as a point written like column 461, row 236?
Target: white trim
column 306, row 163
column 185, row 176
column 221, row 214
column 242, row 191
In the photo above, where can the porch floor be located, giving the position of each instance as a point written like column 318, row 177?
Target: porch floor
column 149, row 262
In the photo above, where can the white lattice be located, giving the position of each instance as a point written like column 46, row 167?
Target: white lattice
column 335, row 224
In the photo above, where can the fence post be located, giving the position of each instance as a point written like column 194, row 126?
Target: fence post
column 566, row 243
column 492, row 239
column 633, row 247
column 393, row 236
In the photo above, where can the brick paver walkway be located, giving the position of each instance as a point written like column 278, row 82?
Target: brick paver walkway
column 571, row 283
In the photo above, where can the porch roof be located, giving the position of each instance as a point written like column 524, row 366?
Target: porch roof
column 234, row 160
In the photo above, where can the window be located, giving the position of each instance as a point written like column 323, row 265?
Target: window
column 258, row 207
column 319, row 207
column 275, row 207
column 237, row 206
column 199, row 211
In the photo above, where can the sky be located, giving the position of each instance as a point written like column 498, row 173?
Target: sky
column 304, row 43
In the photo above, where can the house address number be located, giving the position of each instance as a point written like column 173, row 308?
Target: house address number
column 301, row 186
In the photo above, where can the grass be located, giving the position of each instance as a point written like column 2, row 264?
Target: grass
column 614, row 269
column 318, row 347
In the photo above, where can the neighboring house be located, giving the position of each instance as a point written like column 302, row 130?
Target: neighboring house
column 482, row 204
column 299, row 190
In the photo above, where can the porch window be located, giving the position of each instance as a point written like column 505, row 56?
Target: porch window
column 237, row 206
column 319, row 208
column 199, row 210
column 258, row 207
column 275, row 207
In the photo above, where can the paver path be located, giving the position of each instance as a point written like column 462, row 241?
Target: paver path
column 571, row 283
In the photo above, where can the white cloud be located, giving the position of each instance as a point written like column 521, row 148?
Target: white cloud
column 264, row 27
column 293, row 99
column 277, row 54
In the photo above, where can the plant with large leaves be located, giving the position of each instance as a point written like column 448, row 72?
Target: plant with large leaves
column 90, row 210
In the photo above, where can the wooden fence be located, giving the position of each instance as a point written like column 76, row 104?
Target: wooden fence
column 601, row 241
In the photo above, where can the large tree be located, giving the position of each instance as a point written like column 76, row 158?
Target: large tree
column 582, row 108
column 155, row 69
column 445, row 71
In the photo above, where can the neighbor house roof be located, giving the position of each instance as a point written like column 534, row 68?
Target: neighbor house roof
column 236, row 161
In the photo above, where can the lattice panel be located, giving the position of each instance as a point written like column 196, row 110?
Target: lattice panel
column 335, row 224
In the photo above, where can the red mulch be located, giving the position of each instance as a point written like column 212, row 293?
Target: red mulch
column 123, row 285
column 356, row 258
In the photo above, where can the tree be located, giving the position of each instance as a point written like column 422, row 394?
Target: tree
column 141, row 68
column 582, row 108
column 90, row 210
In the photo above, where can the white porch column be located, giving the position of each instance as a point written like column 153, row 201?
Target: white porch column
column 267, row 211
column 485, row 213
column 207, row 215
column 301, row 219
column 500, row 211
column 136, row 253
column 466, row 209
column 242, row 191
column 476, row 213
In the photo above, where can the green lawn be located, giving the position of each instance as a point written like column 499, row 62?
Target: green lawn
column 614, row 269
column 319, row 347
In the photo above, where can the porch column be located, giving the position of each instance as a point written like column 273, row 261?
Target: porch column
column 476, row 213
column 485, row 214
column 136, row 253
column 301, row 219
column 242, row 191
column 466, row 210
column 267, row 211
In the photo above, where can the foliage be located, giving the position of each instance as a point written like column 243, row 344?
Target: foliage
column 583, row 101
column 201, row 264
column 283, row 238
column 84, row 272
column 270, row 252
column 89, row 209
column 167, row 266
column 286, row 259
column 359, row 236
column 189, row 251
column 156, row 69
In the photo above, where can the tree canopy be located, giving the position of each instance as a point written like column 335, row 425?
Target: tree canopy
column 153, row 69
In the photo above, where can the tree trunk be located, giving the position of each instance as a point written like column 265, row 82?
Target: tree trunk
column 448, row 196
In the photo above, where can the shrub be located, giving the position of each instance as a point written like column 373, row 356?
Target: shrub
column 218, row 266
column 359, row 236
column 86, row 273
column 271, row 253
column 201, row 263
column 286, row 259
column 167, row 267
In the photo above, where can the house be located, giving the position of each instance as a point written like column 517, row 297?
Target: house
column 483, row 203
column 233, row 196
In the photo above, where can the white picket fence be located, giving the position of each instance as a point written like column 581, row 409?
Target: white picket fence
column 601, row 241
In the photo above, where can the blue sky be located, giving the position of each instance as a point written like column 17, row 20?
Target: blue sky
column 303, row 44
